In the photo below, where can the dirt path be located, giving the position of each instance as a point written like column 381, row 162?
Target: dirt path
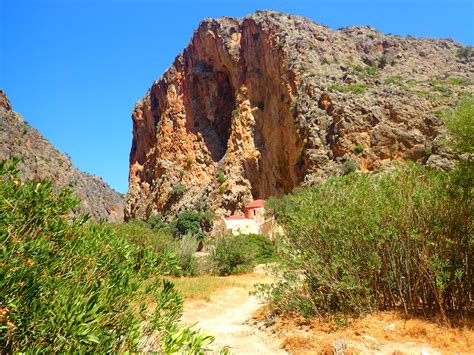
column 227, row 316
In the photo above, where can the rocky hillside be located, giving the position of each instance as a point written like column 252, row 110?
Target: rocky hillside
column 254, row 107
column 40, row 159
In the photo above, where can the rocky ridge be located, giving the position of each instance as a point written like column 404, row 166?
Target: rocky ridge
column 254, row 107
column 40, row 159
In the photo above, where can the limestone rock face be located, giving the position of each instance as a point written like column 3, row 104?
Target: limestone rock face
column 254, row 107
column 40, row 159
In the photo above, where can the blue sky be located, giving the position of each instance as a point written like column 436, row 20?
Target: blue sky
column 74, row 69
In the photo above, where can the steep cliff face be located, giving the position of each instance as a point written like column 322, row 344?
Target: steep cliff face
column 40, row 159
column 254, row 107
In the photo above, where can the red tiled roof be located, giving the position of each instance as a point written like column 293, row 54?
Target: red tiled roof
column 235, row 217
column 256, row 204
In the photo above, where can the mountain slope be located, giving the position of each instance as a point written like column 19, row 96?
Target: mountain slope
column 40, row 159
column 254, row 107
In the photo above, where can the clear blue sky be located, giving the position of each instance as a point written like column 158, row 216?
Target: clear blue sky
column 74, row 69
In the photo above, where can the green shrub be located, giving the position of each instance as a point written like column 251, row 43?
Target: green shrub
column 177, row 190
column 157, row 223
column 221, row 190
column 188, row 222
column 458, row 81
column 176, row 254
column 393, row 80
column 221, row 178
column 264, row 248
column 159, row 242
column 363, row 71
column 460, row 123
column 72, row 287
column 185, row 249
column 359, row 148
column 325, row 61
column 348, row 167
column 232, row 255
column 237, row 254
column 366, row 242
column 441, row 89
column 371, row 70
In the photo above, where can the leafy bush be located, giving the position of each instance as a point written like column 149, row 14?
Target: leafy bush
column 176, row 255
column 363, row 242
column 237, row 254
column 72, row 287
column 185, row 249
column 221, row 178
column 188, row 222
column 460, row 123
column 264, row 248
column 232, row 255
column 177, row 190
column 159, row 242
column 157, row 223
column 359, row 148
column 349, row 166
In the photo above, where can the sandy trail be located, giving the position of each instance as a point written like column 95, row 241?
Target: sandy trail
column 227, row 317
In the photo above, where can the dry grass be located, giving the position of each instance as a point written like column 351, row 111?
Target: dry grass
column 202, row 287
column 384, row 330
column 458, row 339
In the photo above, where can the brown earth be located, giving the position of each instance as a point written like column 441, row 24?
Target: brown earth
column 379, row 333
column 240, row 322
column 273, row 101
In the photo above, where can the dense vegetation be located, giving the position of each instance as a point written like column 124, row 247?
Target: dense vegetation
column 68, row 286
column 237, row 254
column 224, row 256
column 364, row 242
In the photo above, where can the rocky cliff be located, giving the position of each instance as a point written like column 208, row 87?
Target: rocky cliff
column 40, row 159
column 254, row 107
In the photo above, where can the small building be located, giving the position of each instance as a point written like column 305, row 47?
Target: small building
column 255, row 210
column 253, row 221
column 240, row 225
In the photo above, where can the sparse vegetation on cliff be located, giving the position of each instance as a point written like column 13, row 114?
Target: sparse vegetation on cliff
column 339, row 88
column 353, row 88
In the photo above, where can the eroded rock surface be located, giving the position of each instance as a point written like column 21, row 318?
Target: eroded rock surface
column 254, row 107
column 40, row 159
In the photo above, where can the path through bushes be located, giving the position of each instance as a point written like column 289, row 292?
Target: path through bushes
column 228, row 316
